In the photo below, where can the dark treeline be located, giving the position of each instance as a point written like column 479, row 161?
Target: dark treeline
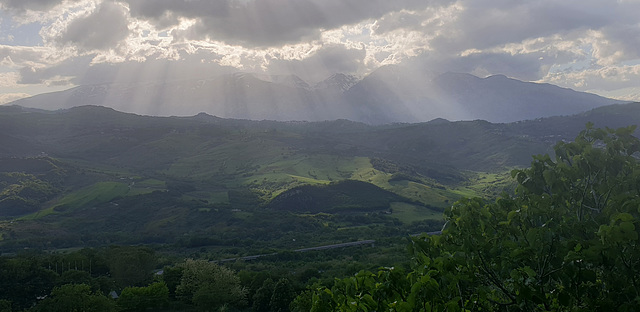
column 139, row 278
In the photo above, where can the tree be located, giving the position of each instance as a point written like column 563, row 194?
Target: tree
column 262, row 296
column 5, row 305
column 210, row 286
column 130, row 265
column 171, row 276
column 151, row 297
column 75, row 277
column 76, row 298
column 282, row 296
column 23, row 279
column 566, row 241
column 303, row 302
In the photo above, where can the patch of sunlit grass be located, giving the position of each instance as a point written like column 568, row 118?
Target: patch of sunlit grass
column 408, row 213
column 99, row 193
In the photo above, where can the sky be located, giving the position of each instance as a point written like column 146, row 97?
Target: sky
column 51, row 45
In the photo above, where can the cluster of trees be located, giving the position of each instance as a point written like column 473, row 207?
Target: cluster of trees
column 26, row 284
column 48, row 279
column 567, row 240
column 120, row 278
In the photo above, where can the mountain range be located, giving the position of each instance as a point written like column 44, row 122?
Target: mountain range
column 390, row 94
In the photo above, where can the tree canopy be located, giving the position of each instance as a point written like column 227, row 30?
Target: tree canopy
column 210, row 286
column 76, row 298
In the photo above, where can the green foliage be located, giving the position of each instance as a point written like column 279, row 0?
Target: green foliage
column 283, row 294
column 273, row 296
column 5, row 305
column 171, row 276
column 22, row 193
column 76, row 298
column 567, row 241
column 344, row 196
column 22, row 280
column 302, row 302
column 131, row 266
column 210, row 286
column 152, row 297
column 92, row 195
column 75, row 277
column 262, row 297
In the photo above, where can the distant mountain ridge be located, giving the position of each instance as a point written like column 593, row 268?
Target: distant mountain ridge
column 26, row 132
column 389, row 94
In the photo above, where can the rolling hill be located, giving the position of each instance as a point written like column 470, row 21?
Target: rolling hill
column 93, row 176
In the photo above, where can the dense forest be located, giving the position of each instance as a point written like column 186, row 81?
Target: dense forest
column 566, row 239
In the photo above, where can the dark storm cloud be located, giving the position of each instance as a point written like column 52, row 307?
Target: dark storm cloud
column 34, row 5
column 266, row 22
column 485, row 24
column 166, row 13
column 22, row 5
column 624, row 42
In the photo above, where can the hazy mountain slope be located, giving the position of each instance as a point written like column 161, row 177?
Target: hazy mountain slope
column 407, row 95
column 553, row 129
column 389, row 94
column 231, row 96
column 337, row 83
column 501, row 99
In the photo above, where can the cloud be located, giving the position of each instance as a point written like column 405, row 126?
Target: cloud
column 485, row 24
column 167, row 13
column 615, row 44
column 32, row 57
column 9, row 79
column 606, row 78
column 10, row 97
column 631, row 94
column 83, row 71
column 39, row 11
column 34, row 5
column 264, row 23
column 572, row 42
column 102, row 29
column 524, row 40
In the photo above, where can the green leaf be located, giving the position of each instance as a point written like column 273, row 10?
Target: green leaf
column 530, row 272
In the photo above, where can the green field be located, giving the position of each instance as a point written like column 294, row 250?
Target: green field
column 87, row 197
column 146, row 187
column 408, row 213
